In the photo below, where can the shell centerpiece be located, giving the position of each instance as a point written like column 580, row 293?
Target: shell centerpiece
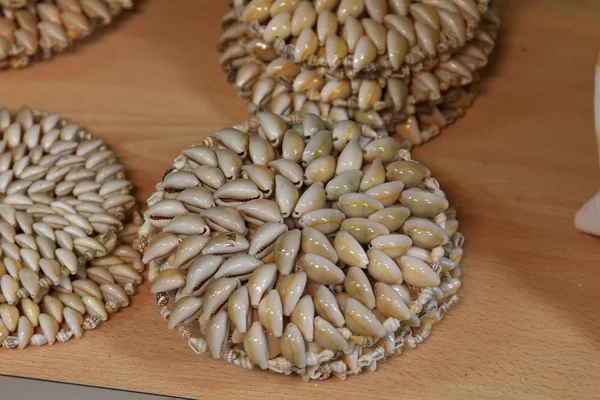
column 35, row 29
column 67, row 230
column 301, row 247
column 409, row 67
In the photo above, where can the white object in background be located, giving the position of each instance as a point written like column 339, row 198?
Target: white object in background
column 587, row 218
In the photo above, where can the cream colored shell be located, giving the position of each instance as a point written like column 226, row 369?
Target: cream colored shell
column 424, row 30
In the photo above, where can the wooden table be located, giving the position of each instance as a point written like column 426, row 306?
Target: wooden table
column 517, row 168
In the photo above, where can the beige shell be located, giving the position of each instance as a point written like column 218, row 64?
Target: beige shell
column 392, row 217
column 270, row 311
column 349, row 250
column 357, row 286
column 279, row 27
column 321, row 270
column 314, row 241
column 422, row 203
column 394, row 245
column 425, row 233
column 327, row 307
column 290, row 291
column 361, row 321
column 255, row 345
column 346, row 51
column 390, row 302
column 292, row 346
column 418, row 273
column 327, row 336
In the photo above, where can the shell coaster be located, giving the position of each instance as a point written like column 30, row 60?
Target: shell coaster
column 67, row 260
column 36, row 29
column 301, row 247
column 407, row 67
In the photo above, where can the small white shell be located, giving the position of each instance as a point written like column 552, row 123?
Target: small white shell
column 358, row 205
column 264, row 238
column 392, row 217
column 350, row 158
column 386, row 193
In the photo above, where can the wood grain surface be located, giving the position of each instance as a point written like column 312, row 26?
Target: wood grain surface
column 516, row 167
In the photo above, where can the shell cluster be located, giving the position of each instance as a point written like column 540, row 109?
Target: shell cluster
column 409, row 67
column 67, row 257
column 300, row 246
column 37, row 29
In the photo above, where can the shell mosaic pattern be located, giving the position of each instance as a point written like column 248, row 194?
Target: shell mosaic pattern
column 38, row 29
column 359, row 35
column 67, row 257
column 301, row 247
column 382, row 97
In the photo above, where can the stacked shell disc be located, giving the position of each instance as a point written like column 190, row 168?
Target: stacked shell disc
column 36, row 29
column 66, row 253
column 401, row 66
column 301, row 247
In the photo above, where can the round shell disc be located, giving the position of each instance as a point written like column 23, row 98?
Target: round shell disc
column 36, row 30
column 359, row 31
column 299, row 246
column 68, row 229
column 416, row 95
